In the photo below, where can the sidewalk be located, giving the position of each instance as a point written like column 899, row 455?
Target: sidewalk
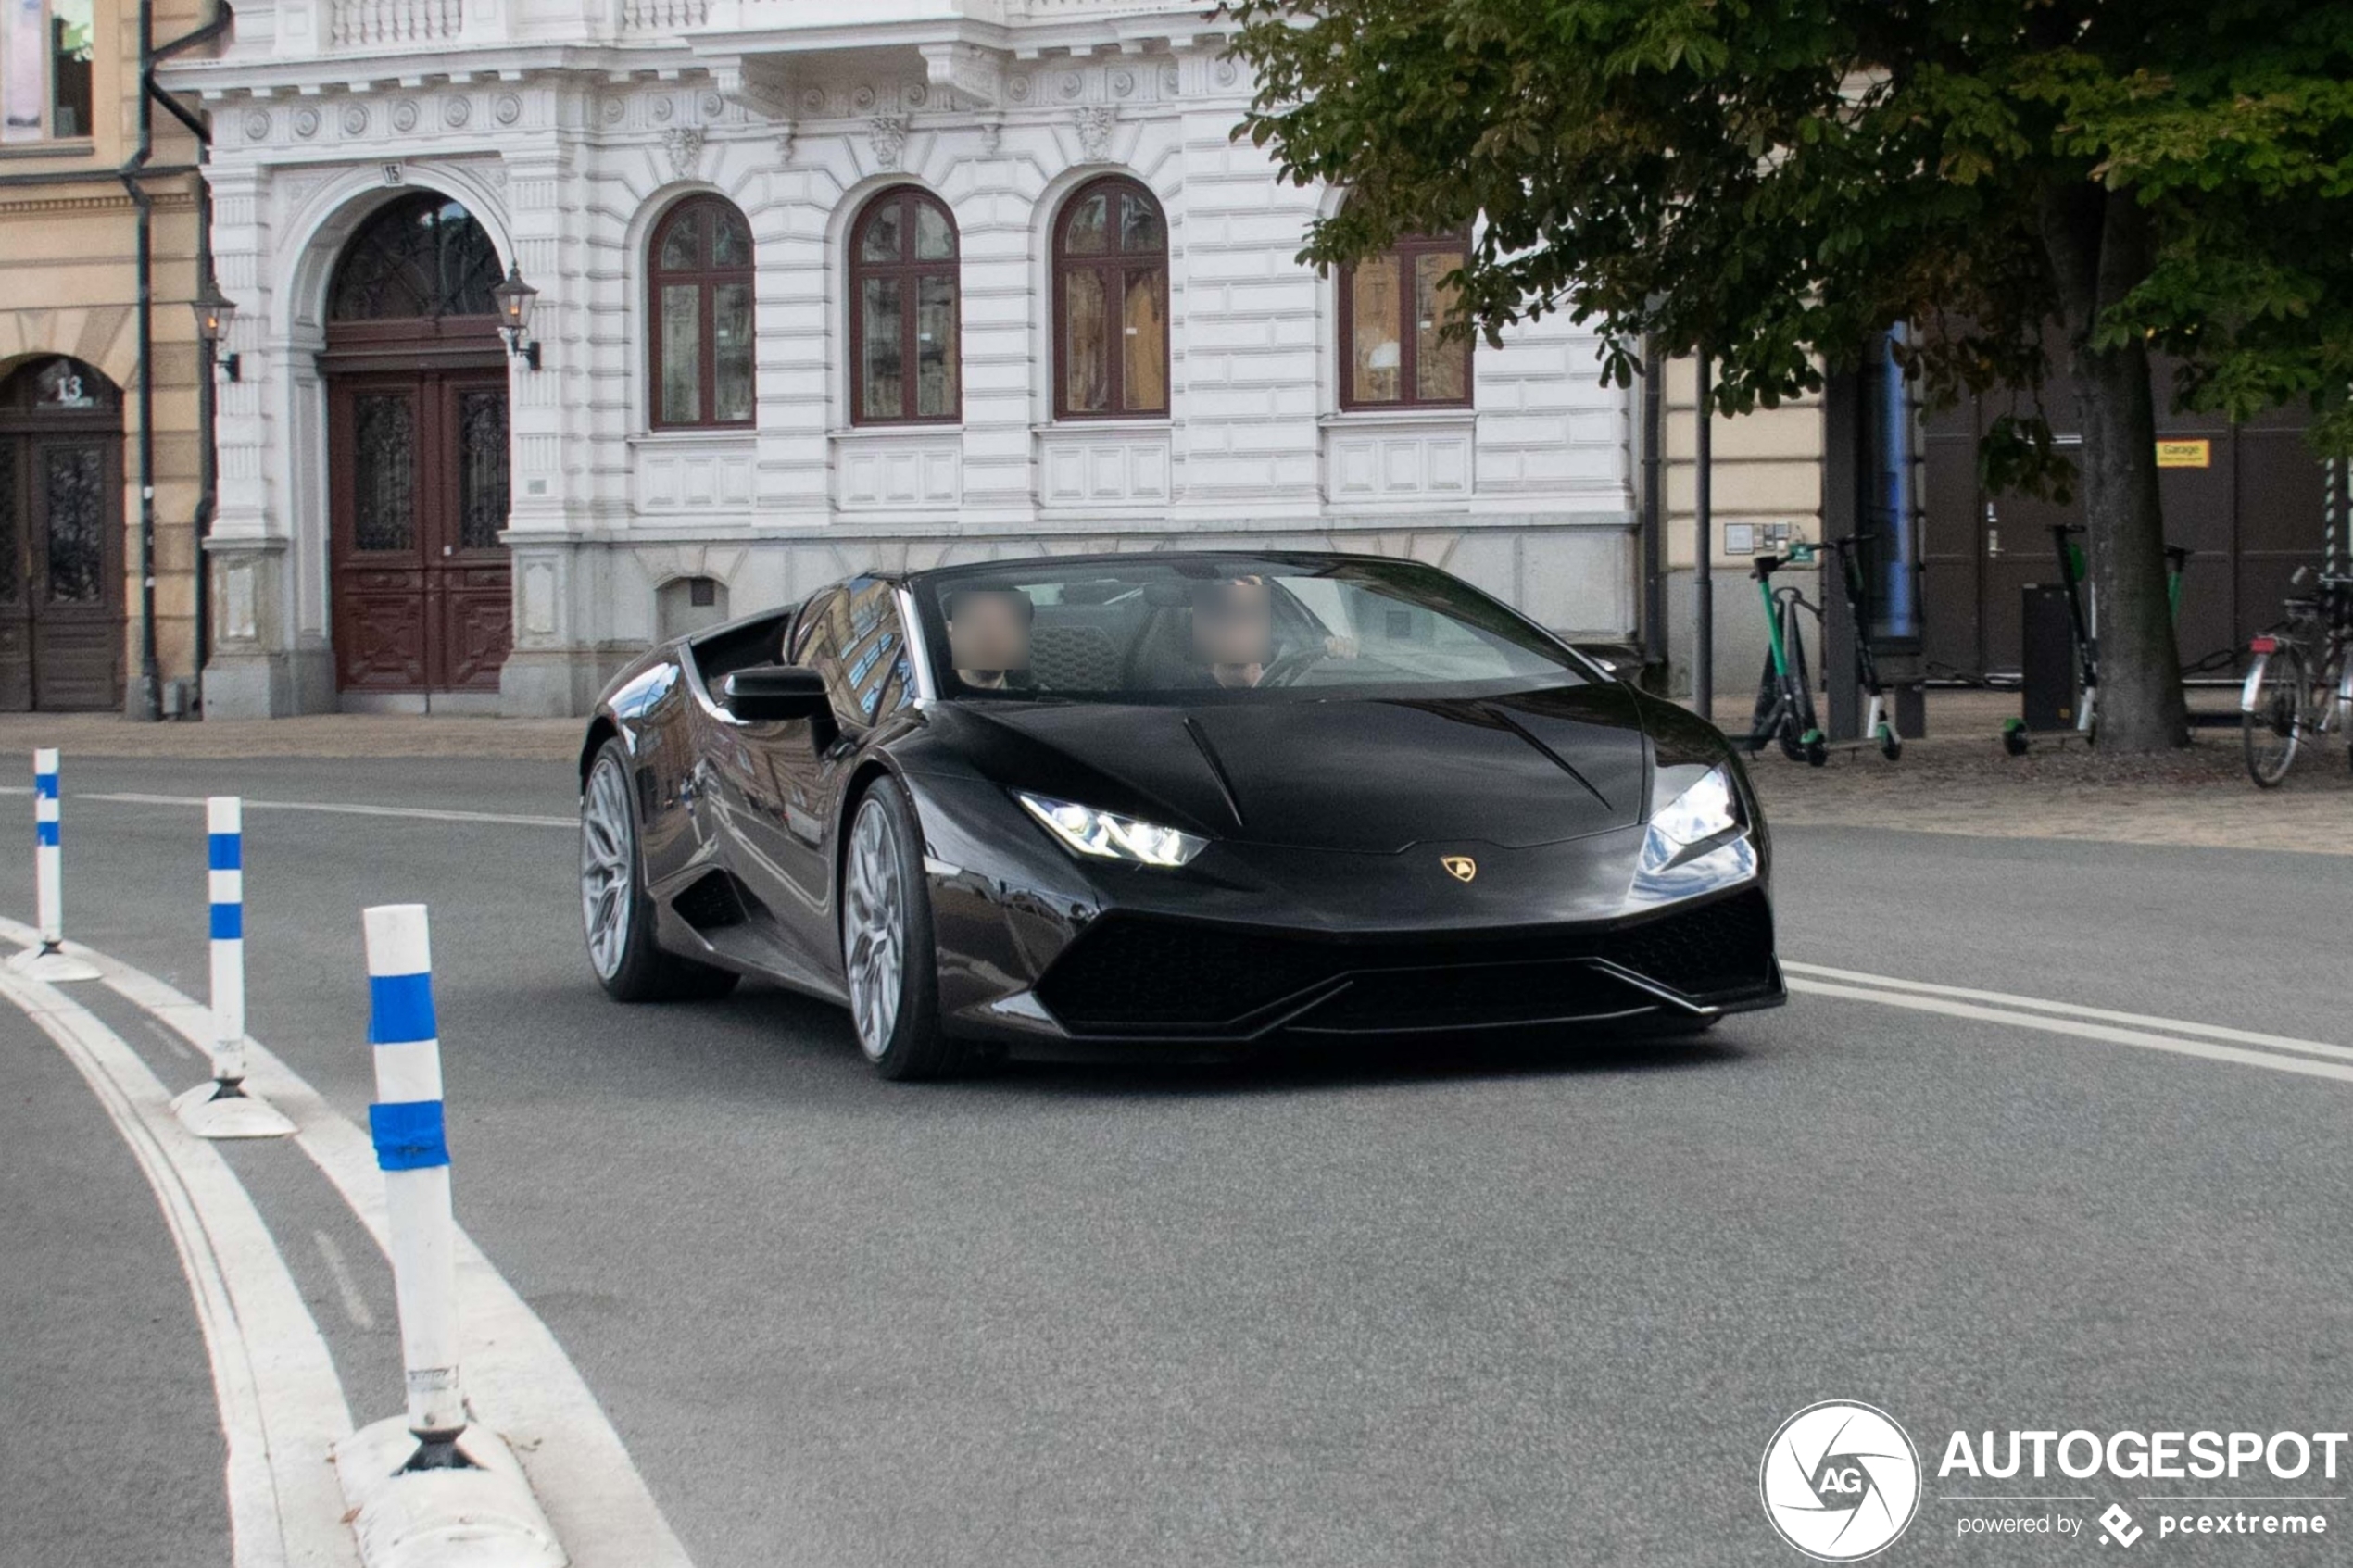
column 319, row 734
column 1960, row 780
column 1956, row 781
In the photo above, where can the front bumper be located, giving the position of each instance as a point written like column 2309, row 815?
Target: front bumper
column 1150, row 979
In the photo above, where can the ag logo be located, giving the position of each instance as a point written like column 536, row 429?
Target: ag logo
column 1840, row 1481
column 1462, row 868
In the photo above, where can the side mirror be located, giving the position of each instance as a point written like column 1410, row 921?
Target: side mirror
column 769, row 693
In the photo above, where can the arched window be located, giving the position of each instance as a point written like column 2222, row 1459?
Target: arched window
column 1392, row 308
column 700, row 308
column 1110, row 303
column 905, row 336
column 421, row 258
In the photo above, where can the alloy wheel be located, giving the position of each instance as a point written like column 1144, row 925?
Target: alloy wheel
column 875, row 929
column 608, row 867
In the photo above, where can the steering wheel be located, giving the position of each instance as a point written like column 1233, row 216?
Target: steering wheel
column 1294, row 663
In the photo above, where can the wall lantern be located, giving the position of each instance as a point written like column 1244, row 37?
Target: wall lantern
column 214, row 312
column 515, row 299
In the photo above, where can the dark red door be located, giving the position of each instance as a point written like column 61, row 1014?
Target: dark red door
column 62, row 538
column 423, row 596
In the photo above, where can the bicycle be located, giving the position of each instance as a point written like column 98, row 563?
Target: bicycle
column 2301, row 683
column 1784, row 696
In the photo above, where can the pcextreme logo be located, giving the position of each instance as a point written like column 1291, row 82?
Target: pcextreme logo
column 1841, row 1481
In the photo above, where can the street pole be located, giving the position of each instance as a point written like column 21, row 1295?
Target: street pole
column 1703, row 565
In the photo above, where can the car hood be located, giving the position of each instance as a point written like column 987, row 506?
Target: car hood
column 1366, row 775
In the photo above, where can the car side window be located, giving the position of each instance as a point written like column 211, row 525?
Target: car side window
column 869, row 675
column 798, row 642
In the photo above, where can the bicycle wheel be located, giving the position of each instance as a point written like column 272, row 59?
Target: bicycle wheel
column 2271, row 724
column 2322, row 716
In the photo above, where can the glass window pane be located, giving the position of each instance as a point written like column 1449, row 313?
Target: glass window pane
column 881, row 373
column 75, row 500
column 1379, row 351
column 682, row 243
column 885, row 232
column 69, row 24
column 384, row 471
column 21, row 63
column 1086, row 362
column 1442, row 368
column 1145, row 330
column 1140, row 225
column 731, row 353
column 1085, row 231
column 934, row 237
column 8, row 584
column 936, row 348
column 680, row 354
column 482, row 468
column 730, row 238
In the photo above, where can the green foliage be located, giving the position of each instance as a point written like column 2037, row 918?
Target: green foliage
column 1776, row 179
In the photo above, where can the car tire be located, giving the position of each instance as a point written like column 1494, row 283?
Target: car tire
column 889, row 957
column 616, row 914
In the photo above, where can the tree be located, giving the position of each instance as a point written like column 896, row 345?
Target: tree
column 1775, row 181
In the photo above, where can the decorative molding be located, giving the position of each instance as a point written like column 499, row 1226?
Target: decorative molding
column 1095, row 122
column 757, row 88
column 684, row 145
column 977, row 76
column 886, row 134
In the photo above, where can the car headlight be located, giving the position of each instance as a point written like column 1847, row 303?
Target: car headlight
column 1705, row 809
column 1106, row 836
column 1696, row 842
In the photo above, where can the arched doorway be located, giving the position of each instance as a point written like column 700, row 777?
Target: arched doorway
column 61, row 524
column 417, row 457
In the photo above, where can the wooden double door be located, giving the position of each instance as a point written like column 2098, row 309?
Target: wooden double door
column 423, row 592
column 61, row 539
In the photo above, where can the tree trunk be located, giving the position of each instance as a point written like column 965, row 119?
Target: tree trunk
column 2098, row 245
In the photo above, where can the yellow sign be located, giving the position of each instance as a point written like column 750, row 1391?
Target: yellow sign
column 2185, row 454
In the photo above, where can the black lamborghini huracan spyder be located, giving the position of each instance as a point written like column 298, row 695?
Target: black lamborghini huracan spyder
column 1200, row 800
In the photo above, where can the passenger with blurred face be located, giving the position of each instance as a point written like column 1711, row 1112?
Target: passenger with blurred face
column 1234, row 631
column 989, row 635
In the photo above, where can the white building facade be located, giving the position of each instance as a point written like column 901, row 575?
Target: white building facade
column 795, row 384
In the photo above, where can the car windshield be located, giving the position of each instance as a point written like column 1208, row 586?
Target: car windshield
column 1227, row 628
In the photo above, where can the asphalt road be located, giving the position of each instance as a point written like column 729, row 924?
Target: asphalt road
column 1516, row 1305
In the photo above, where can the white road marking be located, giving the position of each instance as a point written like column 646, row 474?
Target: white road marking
column 355, row 1306
column 2110, row 1033
column 516, row 1372
column 337, row 808
column 281, row 1406
column 2071, row 1010
column 171, row 1040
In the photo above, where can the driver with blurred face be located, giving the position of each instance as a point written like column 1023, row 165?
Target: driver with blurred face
column 1234, row 631
column 989, row 635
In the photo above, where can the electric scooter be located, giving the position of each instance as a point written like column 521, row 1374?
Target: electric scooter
column 1784, row 698
column 1876, row 723
column 2087, row 653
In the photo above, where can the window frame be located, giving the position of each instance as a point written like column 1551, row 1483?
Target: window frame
column 1404, row 252
column 706, row 279
column 911, row 272
column 1111, row 265
column 46, row 137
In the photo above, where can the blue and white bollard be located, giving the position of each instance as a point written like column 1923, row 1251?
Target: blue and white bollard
column 49, row 961
column 224, row 1107
column 429, row 1489
column 413, row 1153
